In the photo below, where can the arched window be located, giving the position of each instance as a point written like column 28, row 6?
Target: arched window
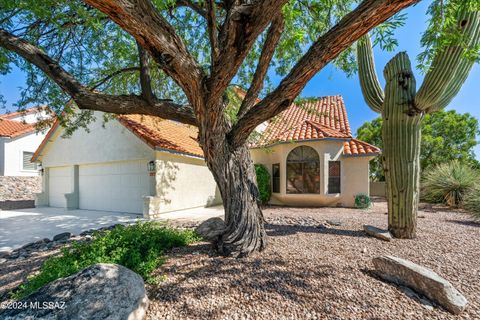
column 303, row 170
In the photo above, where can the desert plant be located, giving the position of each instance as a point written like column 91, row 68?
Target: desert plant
column 139, row 247
column 362, row 201
column 402, row 108
column 263, row 182
column 448, row 183
column 472, row 201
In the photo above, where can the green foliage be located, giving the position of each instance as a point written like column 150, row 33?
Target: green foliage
column 263, row 182
column 362, row 201
column 446, row 136
column 139, row 247
column 448, row 183
column 471, row 202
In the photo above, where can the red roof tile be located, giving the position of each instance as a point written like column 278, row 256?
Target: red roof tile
column 322, row 118
column 12, row 129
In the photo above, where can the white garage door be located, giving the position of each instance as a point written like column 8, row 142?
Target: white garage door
column 59, row 183
column 114, row 186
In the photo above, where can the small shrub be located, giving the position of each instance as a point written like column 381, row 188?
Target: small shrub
column 448, row 182
column 139, row 247
column 472, row 202
column 263, row 182
column 362, row 201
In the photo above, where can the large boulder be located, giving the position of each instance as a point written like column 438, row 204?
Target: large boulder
column 101, row 291
column 211, row 229
column 422, row 280
column 377, row 233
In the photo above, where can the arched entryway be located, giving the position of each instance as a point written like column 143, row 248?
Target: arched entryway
column 303, row 171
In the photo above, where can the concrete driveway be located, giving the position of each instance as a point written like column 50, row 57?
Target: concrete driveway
column 20, row 227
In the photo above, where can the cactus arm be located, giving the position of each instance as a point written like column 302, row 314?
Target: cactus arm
column 450, row 68
column 371, row 89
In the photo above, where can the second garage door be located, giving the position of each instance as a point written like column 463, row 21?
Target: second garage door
column 114, row 186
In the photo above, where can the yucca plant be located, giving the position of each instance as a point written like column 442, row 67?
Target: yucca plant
column 472, row 201
column 448, row 183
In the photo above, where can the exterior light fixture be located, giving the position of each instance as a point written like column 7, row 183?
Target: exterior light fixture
column 151, row 166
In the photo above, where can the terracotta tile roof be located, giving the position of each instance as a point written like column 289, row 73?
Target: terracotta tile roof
column 165, row 134
column 12, row 129
column 322, row 118
column 356, row 147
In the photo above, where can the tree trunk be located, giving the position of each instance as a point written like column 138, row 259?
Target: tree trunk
column 401, row 154
column 235, row 176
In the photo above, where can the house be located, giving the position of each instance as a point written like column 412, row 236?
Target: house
column 145, row 164
column 18, row 141
column 134, row 164
column 312, row 157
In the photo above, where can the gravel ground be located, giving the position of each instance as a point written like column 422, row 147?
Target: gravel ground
column 310, row 271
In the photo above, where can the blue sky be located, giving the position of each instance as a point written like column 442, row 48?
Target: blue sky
column 332, row 82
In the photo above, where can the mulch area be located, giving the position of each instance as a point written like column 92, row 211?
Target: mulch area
column 310, row 270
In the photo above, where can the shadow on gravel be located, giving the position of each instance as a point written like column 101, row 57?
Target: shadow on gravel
column 275, row 230
column 466, row 223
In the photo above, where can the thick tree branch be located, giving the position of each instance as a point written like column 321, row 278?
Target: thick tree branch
column 192, row 5
column 87, row 99
column 145, row 80
column 212, row 30
column 353, row 26
column 268, row 50
column 142, row 20
column 243, row 24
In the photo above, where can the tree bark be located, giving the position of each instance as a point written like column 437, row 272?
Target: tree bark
column 401, row 134
column 235, row 175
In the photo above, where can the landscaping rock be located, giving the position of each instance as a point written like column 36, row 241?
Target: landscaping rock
column 101, row 291
column 211, row 229
column 377, row 233
column 422, row 280
column 5, row 253
column 336, row 223
column 62, row 236
column 2, row 260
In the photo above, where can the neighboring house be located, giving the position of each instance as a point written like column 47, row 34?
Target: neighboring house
column 134, row 164
column 18, row 141
column 144, row 164
column 312, row 157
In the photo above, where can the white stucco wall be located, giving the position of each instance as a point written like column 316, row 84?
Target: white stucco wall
column 354, row 173
column 13, row 153
column 113, row 142
column 182, row 182
column 30, row 117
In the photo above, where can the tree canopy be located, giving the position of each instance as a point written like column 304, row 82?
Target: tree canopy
column 446, row 136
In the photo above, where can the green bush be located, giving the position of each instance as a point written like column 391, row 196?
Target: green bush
column 362, row 201
column 139, row 247
column 263, row 182
column 448, row 182
column 472, row 201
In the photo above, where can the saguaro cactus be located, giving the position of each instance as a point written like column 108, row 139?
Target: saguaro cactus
column 402, row 109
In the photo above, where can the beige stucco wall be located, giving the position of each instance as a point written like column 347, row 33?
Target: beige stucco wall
column 354, row 173
column 181, row 182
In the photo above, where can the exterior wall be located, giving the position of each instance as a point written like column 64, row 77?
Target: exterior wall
column 112, row 142
column 354, row 173
column 13, row 153
column 30, row 117
column 19, row 188
column 180, row 182
column 378, row 188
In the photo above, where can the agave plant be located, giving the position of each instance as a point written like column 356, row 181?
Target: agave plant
column 472, row 201
column 449, row 183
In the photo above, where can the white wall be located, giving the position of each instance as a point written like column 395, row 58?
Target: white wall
column 13, row 153
column 30, row 117
column 354, row 173
column 113, row 142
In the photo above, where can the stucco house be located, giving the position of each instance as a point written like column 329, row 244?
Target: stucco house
column 18, row 141
column 147, row 165
column 311, row 155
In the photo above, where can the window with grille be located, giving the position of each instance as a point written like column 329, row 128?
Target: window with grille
column 27, row 164
column 334, row 177
column 303, row 170
column 276, row 178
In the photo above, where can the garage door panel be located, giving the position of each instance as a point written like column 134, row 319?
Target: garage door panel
column 59, row 183
column 116, row 186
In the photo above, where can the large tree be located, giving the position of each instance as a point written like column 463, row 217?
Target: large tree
column 196, row 50
column 403, row 107
column 446, row 136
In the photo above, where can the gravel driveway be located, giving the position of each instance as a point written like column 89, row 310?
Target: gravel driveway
column 312, row 272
